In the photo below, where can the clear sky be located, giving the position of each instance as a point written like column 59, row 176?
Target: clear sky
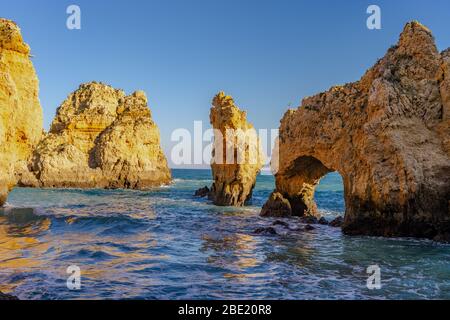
column 266, row 54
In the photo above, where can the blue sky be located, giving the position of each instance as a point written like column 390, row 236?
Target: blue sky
column 266, row 54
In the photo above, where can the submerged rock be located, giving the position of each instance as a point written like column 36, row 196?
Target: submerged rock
column 266, row 231
column 20, row 109
column 388, row 135
column 323, row 221
column 337, row 223
column 309, row 220
column 101, row 138
column 237, row 154
column 202, row 192
column 281, row 223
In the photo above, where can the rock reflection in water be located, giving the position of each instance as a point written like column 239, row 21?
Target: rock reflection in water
column 235, row 253
column 19, row 247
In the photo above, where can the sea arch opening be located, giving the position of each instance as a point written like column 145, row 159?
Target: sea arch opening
column 329, row 196
column 308, row 184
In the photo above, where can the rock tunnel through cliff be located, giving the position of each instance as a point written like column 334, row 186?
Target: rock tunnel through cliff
column 306, row 184
column 310, row 177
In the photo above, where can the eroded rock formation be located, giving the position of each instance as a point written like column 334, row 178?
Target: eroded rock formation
column 20, row 109
column 100, row 138
column 237, row 154
column 387, row 135
column 277, row 206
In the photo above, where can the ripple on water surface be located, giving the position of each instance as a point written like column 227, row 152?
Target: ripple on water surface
column 166, row 244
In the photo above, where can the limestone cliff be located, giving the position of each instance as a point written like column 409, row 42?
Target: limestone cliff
column 100, row 138
column 387, row 135
column 237, row 154
column 20, row 109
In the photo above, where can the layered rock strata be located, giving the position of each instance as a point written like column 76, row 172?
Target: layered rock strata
column 387, row 135
column 237, row 154
column 20, row 109
column 100, row 138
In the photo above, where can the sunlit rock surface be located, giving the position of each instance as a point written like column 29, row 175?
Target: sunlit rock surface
column 20, row 109
column 100, row 138
column 237, row 154
column 387, row 135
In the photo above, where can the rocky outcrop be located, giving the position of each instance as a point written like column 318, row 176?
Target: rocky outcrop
column 100, row 138
column 277, row 206
column 337, row 223
column 20, row 109
column 444, row 128
column 237, row 154
column 202, row 192
column 387, row 135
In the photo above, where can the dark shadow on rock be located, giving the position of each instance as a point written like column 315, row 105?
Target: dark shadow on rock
column 266, row 231
column 202, row 192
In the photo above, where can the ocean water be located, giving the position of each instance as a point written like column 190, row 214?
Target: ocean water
column 166, row 244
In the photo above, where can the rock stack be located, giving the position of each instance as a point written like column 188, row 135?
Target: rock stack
column 100, row 138
column 237, row 154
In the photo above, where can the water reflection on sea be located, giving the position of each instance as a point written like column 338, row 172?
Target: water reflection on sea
column 166, row 244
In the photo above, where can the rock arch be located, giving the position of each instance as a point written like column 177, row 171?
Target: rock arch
column 388, row 135
column 299, row 183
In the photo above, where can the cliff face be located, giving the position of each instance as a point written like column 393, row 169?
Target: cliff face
column 387, row 135
column 237, row 154
column 100, row 138
column 129, row 150
column 20, row 109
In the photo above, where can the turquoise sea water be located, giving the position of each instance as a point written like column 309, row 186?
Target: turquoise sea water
column 166, row 244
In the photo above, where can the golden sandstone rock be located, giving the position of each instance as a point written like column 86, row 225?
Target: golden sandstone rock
column 20, row 109
column 387, row 135
column 100, row 138
column 237, row 154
